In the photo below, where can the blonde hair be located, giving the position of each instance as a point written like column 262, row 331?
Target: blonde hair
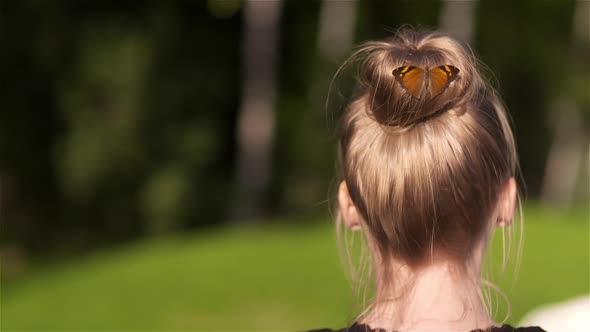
column 424, row 173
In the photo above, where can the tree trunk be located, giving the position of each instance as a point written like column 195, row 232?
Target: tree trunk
column 256, row 116
column 337, row 22
column 458, row 18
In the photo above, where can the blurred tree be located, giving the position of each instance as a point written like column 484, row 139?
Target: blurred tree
column 522, row 52
column 568, row 120
column 99, row 155
column 107, row 131
column 458, row 19
column 38, row 43
column 189, row 114
column 256, row 117
column 336, row 31
column 302, row 148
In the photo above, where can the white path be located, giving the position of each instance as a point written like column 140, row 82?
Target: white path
column 571, row 315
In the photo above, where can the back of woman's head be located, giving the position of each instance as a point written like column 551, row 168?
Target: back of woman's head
column 425, row 147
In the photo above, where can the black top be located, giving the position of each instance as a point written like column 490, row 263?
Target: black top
column 356, row 327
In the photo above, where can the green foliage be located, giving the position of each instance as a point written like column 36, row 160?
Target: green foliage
column 163, row 198
column 522, row 48
column 125, row 126
column 258, row 278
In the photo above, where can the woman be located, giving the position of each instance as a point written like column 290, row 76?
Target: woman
column 428, row 161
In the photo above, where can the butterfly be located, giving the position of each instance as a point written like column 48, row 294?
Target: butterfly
column 415, row 79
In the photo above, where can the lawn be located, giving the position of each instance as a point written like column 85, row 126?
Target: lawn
column 255, row 278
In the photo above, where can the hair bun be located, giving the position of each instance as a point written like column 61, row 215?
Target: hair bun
column 407, row 83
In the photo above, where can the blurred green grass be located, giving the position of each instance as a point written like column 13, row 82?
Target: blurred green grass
column 262, row 277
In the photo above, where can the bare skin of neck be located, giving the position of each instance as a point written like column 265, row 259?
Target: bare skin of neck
column 435, row 297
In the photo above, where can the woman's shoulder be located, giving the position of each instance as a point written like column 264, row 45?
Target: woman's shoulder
column 355, row 327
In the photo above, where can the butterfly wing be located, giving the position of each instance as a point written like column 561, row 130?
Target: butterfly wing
column 411, row 79
column 440, row 77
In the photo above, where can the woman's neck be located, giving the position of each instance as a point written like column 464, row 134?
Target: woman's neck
column 433, row 298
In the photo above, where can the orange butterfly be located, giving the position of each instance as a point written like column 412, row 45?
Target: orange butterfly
column 415, row 79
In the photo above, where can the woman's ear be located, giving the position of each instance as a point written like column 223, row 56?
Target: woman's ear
column 349, row 212
column 506, row 203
